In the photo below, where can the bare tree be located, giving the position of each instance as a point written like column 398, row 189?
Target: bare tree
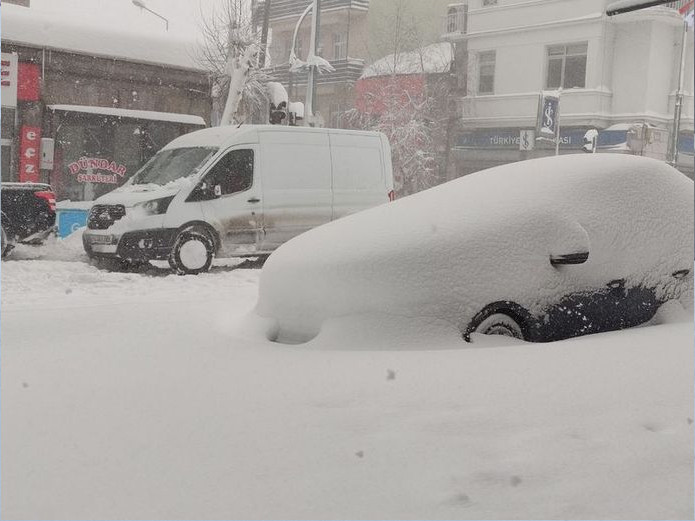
column 230, row 50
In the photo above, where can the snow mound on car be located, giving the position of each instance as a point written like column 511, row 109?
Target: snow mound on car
column 448, row 252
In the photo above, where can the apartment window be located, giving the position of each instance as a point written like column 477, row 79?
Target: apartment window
column 339, row 46
column 567, row 66
column 486, row 72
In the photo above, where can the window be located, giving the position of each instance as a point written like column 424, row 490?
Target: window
column 489, row 2
column 567, row 66
column 339, row 46
column 486, row 72
column 234, row 172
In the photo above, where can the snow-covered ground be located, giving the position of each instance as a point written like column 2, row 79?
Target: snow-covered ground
column 148, row 396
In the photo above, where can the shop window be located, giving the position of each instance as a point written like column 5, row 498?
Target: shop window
column 567, row 66
column 339, row 46
column 486, row 72
column 233, row 173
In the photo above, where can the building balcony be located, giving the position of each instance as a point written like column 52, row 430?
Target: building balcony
column 455, row 23
column 282, row 9
column 346, row 71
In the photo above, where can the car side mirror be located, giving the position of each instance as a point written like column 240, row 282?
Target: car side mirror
column 217, row 191
column 569, row 258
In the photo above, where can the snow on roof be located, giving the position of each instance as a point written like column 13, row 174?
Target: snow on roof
column 37, row 29
column 172, row 117
column 432, row 59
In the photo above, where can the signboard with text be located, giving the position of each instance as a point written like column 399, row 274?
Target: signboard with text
column 29, row 154
column 97, row 170
column 548, row 116
column 8, row 79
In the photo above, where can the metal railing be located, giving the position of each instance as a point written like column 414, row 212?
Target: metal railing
column 280, row 9
column 346, row 71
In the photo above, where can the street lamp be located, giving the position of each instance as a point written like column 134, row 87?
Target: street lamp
column 141, row 4
column 314, row 64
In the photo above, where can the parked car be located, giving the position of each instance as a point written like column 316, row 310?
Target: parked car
column 539, row 250
column 231, row 191
column 28, row 214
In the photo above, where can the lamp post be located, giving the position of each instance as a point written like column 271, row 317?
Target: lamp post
column 314, row 64
column 141, row 4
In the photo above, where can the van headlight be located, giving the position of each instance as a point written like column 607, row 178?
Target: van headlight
column 156, row 206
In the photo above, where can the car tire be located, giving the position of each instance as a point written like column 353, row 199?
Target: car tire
column 499, row 324
column 192, row 253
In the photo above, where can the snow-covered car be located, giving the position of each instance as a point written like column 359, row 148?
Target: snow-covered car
column 540, row 250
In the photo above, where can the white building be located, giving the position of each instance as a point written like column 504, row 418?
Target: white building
column 613, row 71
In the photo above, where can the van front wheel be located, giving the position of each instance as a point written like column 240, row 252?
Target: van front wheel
column 192, row 253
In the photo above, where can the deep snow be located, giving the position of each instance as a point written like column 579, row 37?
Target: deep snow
column 144, row 396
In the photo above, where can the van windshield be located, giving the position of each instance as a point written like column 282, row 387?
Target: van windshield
column 172, row 164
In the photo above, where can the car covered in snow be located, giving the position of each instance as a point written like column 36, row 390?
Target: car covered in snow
column 540, row 250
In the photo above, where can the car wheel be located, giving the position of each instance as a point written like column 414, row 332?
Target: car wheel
column 192, row 253
column 499, row 324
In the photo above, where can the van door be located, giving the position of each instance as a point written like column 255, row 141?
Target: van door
column 358, row 172
column 296, row 172
column 231, row 200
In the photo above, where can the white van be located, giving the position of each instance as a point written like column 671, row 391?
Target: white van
column 232, row 192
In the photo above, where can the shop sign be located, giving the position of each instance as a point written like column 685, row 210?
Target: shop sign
column 512, row 138
column 8, row 79
column 29, row 156
column 28, row 82
column 97, row 170
column 548, row 116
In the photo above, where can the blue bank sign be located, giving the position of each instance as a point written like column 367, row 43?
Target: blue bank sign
column 511, row 138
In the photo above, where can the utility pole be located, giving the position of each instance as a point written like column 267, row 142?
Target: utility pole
column 317, row 42
column 678, row 107
column 264, row 34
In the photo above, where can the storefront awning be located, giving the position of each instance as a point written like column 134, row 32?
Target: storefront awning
column 171, row 117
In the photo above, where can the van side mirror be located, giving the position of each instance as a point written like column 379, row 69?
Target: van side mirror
column 205, row 192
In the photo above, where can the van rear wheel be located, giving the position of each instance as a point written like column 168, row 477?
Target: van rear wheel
column 192, row 253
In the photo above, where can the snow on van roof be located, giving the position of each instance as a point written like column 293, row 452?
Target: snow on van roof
column 227, row 135
column 34, row 28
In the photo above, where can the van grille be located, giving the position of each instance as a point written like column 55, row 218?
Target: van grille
column 103, row 215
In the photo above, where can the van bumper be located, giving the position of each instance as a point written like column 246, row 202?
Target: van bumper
column 141, row 245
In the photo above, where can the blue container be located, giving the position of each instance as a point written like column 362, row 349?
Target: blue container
column 71, row 220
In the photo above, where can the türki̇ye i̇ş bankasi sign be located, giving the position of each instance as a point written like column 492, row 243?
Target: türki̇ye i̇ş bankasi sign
column 88, row 165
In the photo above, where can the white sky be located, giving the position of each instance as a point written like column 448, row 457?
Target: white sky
column 183, row 15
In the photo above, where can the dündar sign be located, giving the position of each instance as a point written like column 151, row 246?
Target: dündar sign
column 97, row 170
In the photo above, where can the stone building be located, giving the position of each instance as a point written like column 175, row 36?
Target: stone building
column 72, row 91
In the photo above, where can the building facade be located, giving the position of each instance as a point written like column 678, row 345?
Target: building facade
column 353, row 34
column 611, row 73
column 342, row 41
column 83, row 109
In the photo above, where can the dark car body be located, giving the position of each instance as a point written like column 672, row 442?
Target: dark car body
column 28, row 213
